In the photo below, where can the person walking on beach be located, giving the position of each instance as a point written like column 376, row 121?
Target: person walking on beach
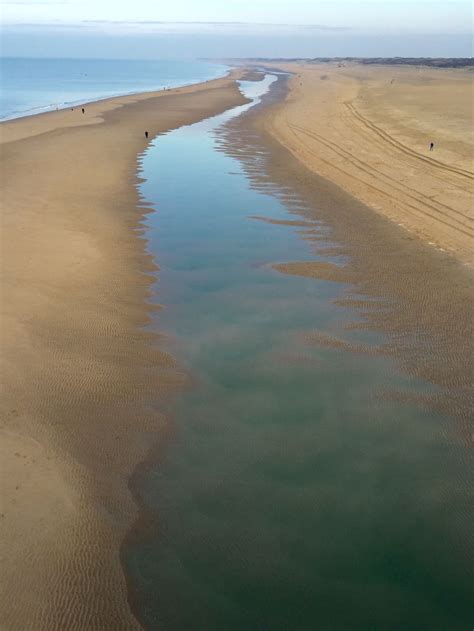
column 83, row 110
column 146, row 134
column 431, row 146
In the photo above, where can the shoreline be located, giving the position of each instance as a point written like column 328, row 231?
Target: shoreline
column 49, row 109
column 81, row 374
column 42, row 122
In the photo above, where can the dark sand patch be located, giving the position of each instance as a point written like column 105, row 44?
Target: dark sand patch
column 323, row 340
column 283, row 222
column 315, row 269
column 253, row 75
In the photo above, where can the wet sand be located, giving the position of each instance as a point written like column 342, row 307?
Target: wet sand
column 368, row 130
column 81, row 376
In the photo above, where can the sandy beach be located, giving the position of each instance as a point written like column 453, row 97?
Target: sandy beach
column 80, row 373
column 368, row 129
column 82, row 376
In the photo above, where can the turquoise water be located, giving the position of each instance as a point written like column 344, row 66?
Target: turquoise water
column 31, row 86
column 288, row 493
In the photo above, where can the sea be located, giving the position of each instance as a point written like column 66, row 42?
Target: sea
column 31, row 86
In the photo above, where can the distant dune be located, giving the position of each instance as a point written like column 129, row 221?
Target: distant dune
column 433, row 62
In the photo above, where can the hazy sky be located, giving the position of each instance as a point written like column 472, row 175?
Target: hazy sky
column 219, row 28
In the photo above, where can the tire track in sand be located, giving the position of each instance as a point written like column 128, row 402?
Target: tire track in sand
column 366, row 168
column 403, row 148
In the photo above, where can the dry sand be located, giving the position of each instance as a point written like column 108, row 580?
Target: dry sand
column 368, row 130
column 81, row 377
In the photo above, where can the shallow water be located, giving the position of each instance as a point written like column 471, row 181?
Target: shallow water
column 290, row 493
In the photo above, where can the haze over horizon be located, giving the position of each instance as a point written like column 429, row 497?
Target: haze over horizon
column 242, row 28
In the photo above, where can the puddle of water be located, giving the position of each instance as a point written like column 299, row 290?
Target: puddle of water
column 290, row 495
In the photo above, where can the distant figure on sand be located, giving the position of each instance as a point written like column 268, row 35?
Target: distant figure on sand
column 431, row 146
column 83, row 110
column 146, row 134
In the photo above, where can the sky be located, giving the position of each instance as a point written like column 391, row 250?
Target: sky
column 235, row 28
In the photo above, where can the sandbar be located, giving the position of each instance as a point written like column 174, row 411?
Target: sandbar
column 81, row 375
